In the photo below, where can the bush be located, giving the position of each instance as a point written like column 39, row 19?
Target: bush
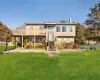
column 64, row 45
column 25, row 42
column 68, row 46
column 75, row 46
column 15, row 43
column 29, row 45
column 39, row 45
column 60, row 45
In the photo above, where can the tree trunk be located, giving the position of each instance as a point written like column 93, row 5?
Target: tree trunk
column 6, row 46
column 88, row 42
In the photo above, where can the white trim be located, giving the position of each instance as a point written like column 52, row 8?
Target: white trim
column 59, row 27
column 49, row 23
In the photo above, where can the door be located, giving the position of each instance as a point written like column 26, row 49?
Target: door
column 50, row 37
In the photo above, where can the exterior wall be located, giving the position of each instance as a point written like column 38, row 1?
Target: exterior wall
column 36, row 30
column 35, row 27
column 65, row 39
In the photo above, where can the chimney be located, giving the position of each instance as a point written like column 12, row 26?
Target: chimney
column 70, row 20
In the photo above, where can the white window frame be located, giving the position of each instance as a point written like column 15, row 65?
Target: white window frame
column 69, row 28
column 31, row 27
column 60, row 28
column 49, row 29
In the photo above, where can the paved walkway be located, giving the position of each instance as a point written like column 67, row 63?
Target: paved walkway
column 41, row 50
column 24, row 50
column 72, row 50
column 88, row 46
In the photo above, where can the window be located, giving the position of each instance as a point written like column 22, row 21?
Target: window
column 58, row 29
column 64, row 29
column 70, row 29
column 31, row 27
column 50, row 27
column 41, row 27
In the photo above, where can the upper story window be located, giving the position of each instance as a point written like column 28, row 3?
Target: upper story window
column 50, row 27
column 58, row 29
column 41, row 27
column 31, row 27
column 64, row 29
column 70, row 29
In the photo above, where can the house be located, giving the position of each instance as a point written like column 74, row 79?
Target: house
column 45, row 32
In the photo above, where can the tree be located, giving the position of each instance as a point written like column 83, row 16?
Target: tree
column 79, row 34
column 5, row 34
column 63, row 21
column 94, row 22
column 1, row 23
column 94, row 16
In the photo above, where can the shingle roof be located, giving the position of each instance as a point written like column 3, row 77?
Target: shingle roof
column 22, row 27
column 50, row 23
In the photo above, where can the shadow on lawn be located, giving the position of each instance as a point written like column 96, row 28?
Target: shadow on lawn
column 1, row 53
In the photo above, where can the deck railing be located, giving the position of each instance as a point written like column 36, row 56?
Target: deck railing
column 28, row 32
column 19, row 32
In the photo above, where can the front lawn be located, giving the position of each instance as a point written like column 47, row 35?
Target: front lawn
column 38, row 66
column 2, row 48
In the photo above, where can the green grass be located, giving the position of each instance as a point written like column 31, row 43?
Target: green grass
column 38, row 66
column 2, row 48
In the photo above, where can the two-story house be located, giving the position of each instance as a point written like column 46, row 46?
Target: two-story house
column 39, row 32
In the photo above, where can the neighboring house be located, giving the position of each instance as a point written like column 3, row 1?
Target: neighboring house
column 39, row 32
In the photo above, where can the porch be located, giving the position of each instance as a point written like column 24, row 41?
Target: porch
column 23, row 40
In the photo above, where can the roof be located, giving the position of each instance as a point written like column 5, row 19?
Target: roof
column 51, row 23
column 22, row 27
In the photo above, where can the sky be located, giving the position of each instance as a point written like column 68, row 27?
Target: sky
column 14, row 13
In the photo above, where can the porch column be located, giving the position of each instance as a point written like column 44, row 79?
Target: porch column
column 22, row 40
column 55, row 42
column 12, row 40
column 15, row 41
column 34, row 41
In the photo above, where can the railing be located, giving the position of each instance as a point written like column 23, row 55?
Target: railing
column 18, row 32
column 28, row 32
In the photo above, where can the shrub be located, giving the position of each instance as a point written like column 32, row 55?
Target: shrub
column 64, row 45
column 39, row 45
column 25, row 42
column 15, row 43
column 68, row 45
column 75, row 46
column 60, row 45
column 29, row 45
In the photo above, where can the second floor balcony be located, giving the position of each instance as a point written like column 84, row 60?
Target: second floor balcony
column 28, row 32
